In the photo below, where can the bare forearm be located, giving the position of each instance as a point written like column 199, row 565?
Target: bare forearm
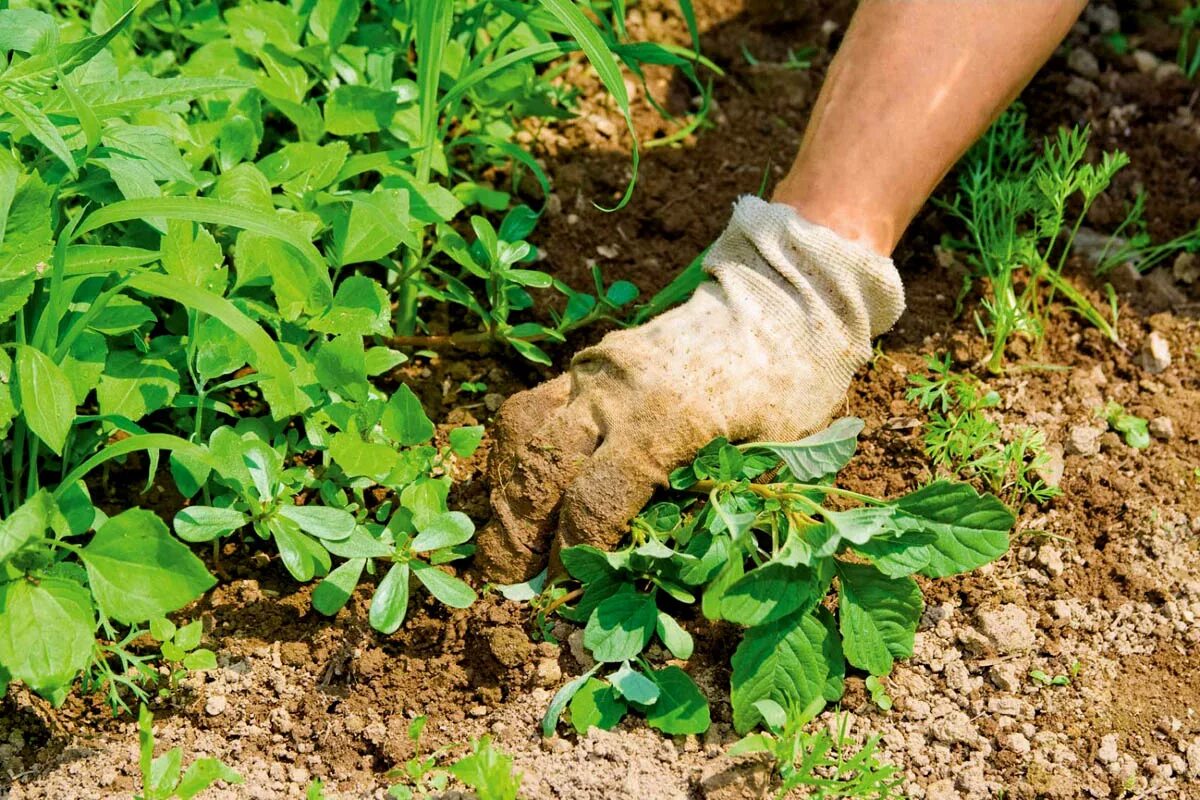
column 914, row 83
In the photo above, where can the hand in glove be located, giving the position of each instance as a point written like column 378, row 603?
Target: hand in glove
column 766, row 352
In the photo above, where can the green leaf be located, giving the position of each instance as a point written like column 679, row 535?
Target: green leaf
column 200, row 661
column 188, row 637
column 465, row 441
column 634, row 686
column 714, row 593
column 677, row 640
column 823, row 453
column 341, row 367
column 203, row 773
column 787, row 661
column 443, row 530
column 164, row 773
column 333, row 524
column 560, row 700
column 303, row 556
column 28, row 523
column 334, row 591
column 596, row 705
column 446, row 588
column 389, row 605
column 39, row 126
column 137, row 571
column 359, row 458
column 136, row 384
column 586, row 564
column 770, row 592
column 44, row 396
column 404, row 420
column 45, row 631
column 621, row 626
column 360, row 306
column 681, row 708
column 972, row 530
column 488, row 771
column 351, row 110
column 205, row 523
column 878, row 616
column 898, row 556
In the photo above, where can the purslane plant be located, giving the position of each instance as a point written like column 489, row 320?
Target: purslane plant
column 765, row 556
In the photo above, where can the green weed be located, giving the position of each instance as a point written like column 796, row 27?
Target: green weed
column 485, row 770
column 1015, row 205
column 825, row 764
column 1188, row 53
column 1134, row 430
column 163, row 777
column 764, row 556
column 962, row 439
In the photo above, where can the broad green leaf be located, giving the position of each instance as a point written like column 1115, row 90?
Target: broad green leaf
column 446, row 588
column 28, row 234
column 135, row 384
column 334, row 591
column 352, row 110
column 44, row 396
column 200, row 660
column 404, row 420
column 634, row 686
column 770, row 592
column 137, row 571
column 303, row 556
column 190, row 253
column 203, row 773
column 714, row 593
column 900, row 555
column 359, row 458
column 45, row 631
column 823, row 453
column 596, row 705
column 681, row 708
column 586, row 564
column 560, row 700
column 360, row 544
column 465, row 441
column 360, row 306
column 971, row 529
column 389, row 605
column 878, row 616
column 188, row 637
column 425, row 498
column 84, row 363
column 323, row 522
column 205, row 523
column 341, row 367
column 28, row 523
column 488, row 771
column 621, row 626
column 444, row 530
column 34, row 120
column 787, row 661
column 164, row 773
column 151, row 146
column 677, row 640
column 136, row 93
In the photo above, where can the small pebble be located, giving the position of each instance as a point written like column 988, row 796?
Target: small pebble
column 216, row 705
column 1162, row 428
column 1155, row 355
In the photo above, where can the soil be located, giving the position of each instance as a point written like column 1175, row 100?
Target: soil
column 1102, row 582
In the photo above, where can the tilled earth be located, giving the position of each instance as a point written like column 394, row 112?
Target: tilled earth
column 1103, row 583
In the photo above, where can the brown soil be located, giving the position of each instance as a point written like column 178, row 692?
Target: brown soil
column 1106, row 576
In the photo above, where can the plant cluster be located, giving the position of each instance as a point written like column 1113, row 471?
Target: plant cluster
column 765, row 557
column 218, row 221
column 1021, row 210
column 964, row 440
column 485, row 770
column 164, row 778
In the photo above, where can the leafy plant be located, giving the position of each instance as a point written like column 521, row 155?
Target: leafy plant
column 1131, row 242
column 485, row 770
column 206, row 211
column 818, row 760
column 1015, row 205
column 163, row 777
column 961, row 438
column 765, row 556
column 1134, row 429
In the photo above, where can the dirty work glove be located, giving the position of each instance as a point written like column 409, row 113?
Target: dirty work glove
column 766, row 352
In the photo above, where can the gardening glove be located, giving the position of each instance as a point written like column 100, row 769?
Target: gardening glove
column 765, row 352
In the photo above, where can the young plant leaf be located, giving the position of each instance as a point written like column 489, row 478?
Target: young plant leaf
column 878, row 616
column 596, row 705
column 560, row 700
column 634, row 686
column 389, row 605
column 45, row 631
column 446, row 588
column 823, row 453
column 621, row 626
column 676, row 639
column 971, row 529
column 681, row 709
column 44, row 396
column 334, row 591
column 205, row 523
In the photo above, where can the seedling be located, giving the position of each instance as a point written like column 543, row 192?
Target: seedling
column 1057, row 680
column 1015, row 205
column 1188, row 53
column 821, row 762
column 485, row 770
column 765, row 556
column 1134, row 430
column 161, row 776
column 962, row 438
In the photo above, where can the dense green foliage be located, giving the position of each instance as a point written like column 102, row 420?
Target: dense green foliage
column 765, row 556
column 217, row 222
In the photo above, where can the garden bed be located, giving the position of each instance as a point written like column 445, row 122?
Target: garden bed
column 1102, row 584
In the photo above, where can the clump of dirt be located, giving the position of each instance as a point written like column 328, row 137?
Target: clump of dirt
column 1101, row 585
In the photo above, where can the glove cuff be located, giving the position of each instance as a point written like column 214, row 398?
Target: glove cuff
column 824, row 273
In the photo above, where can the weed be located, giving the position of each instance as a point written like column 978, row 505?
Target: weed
column 1131, row 242
column 1188, row 53
column 163, row 777
column 1134, row 429
column 763, row 556
column 961, row 438
column 794, row 60
column 1015, row 205
column 823, row 763
column 1057, row 680
column 485, row 770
